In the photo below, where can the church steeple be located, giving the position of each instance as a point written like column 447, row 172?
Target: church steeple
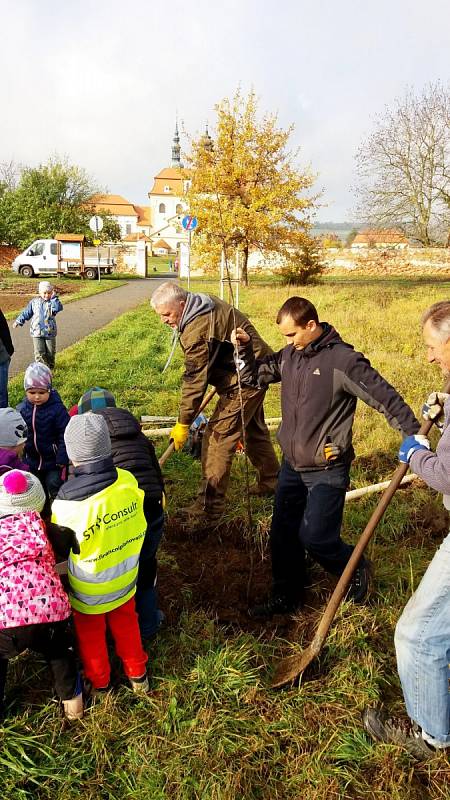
column 206, row 141
column 176, row 149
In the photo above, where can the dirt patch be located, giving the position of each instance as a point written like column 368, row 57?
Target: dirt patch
column 213, row 570
column 216, row 571
column 14, row 301
column 15, row 296
column 7, row 255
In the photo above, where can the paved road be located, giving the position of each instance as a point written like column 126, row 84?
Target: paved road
column 81, row 317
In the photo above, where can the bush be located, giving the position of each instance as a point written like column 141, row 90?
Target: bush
column 304, row 265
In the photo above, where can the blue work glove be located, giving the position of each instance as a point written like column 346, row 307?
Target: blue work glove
column 411, row 445
column 199, row 422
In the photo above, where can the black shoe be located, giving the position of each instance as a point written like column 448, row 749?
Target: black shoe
column 359, row 584
column 397, row 730
column 274, row 605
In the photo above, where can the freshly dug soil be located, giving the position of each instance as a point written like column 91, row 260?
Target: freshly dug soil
column 14, row 301
column 215, row 570
column 16, row 297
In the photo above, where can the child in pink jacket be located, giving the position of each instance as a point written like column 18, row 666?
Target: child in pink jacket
column 34, row 608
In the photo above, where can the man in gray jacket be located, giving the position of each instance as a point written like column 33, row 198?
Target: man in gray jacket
column 321, row 379
column 422, row 635
column 204, row 324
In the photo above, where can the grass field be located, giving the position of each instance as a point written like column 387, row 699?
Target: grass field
column 159, row 264
column 212, row 729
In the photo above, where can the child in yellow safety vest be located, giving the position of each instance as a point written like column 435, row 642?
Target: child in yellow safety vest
column 104, row 506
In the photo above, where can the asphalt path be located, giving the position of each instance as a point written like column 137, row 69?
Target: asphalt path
column 81, row 317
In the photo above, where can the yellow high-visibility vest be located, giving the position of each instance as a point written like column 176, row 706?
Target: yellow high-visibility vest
column 110, row 527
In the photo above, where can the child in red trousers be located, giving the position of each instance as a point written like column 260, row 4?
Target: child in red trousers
column 104, row 506
column 34, row 609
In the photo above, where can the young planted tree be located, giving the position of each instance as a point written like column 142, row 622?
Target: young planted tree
column 246, row 189
column 404, row 166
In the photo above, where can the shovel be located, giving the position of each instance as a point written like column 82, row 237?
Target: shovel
column 207, row 399
column 290, row 668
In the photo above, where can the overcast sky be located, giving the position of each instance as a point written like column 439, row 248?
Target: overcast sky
column 101, row 81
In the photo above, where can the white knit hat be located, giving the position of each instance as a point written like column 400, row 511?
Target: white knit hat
column 20, row 491
column 45, row 286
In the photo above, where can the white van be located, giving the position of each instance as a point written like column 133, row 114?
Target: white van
column 41, row 258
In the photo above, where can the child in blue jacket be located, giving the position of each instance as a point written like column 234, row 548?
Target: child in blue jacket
column 42, row 311
column 46, row 418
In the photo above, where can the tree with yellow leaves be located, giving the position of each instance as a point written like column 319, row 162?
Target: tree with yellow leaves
column 245, row 188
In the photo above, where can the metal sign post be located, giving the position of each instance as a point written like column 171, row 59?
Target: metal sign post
column 189, row 224
column 189, row 263
column 96, row 225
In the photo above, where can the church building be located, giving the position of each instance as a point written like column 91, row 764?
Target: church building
column 166, row 205
column 160, row 222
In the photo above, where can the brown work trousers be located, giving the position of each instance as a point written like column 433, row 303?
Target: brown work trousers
column 223, row 432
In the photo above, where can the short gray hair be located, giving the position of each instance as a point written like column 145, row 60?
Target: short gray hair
column 167, row 294
column 438, row 315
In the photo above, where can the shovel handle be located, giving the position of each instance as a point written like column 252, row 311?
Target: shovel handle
column 344, row 580
column 207, row 399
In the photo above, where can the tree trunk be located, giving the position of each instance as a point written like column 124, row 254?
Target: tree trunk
column 244, row 273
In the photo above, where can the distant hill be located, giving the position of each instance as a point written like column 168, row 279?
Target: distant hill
column 339, row 226
column 341, row 229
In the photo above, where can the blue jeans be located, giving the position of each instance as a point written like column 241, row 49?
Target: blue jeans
column 4, row 368
column 422, row 643
column 146, row 593
column 307, row 515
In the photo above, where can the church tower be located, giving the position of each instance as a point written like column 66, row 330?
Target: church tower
column 176, row 150
column 206, row 142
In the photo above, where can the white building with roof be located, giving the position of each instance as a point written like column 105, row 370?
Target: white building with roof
column 131, row 218
column 161, row 220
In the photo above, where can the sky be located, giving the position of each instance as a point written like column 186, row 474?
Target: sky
column 102, row 82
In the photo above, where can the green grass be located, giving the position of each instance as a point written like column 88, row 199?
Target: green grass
column 212, row 729
column 159, row 264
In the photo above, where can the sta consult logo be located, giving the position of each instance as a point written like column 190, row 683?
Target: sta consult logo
column 110, row 516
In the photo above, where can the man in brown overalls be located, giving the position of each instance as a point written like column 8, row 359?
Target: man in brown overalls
column 204, row 324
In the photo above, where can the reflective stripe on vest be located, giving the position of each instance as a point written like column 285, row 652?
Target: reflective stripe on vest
column 110, row 527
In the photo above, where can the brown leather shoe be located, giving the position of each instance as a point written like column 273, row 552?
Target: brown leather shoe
column 261, row 490
column 197, row 516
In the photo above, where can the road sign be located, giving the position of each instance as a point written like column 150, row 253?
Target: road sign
column 189, row 223
column 96, row 224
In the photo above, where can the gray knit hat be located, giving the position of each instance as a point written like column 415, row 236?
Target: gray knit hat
column 20, row 491
column 13, row 428
column 87, row 438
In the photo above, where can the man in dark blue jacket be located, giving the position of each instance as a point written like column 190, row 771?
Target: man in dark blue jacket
column 321, row 378
column 6, row 351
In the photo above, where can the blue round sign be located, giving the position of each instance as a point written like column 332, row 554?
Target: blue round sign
column 189, row 223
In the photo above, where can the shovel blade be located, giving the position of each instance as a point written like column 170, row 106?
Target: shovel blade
column 290, row 668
